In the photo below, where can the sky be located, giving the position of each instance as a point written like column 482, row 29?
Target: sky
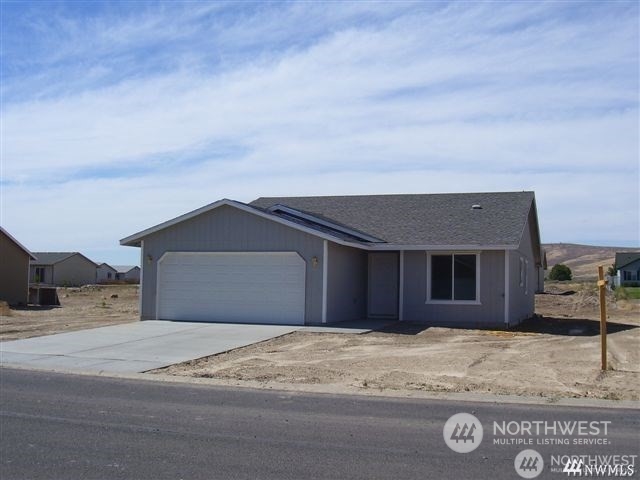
column 117, row 116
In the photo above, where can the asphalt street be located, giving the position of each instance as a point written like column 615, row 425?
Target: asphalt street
column 57, row 426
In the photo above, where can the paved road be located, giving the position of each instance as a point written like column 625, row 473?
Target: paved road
column 59, row 426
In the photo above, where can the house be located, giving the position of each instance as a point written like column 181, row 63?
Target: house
column 628, row 269
column 128, row 273
column 106, row 273
column 14, row 270
column 62, row 269
column 459, row 259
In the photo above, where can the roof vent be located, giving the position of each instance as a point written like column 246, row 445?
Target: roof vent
column 476, row 206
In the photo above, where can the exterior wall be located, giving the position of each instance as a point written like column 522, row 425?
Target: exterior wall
column 490, row 312
column 75, row 270
column 14, row 272
column 102, row 273
column 227, row 229
column 632, row 276
column 346, row 284
column 133, row 275
column 522, row 287
column 48, row 274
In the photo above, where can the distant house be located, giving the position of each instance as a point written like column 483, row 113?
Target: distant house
column 62, row 269
column 128, row 273
column 106, row 273
column 14, row 270
column 628, row 269
column 456, row 259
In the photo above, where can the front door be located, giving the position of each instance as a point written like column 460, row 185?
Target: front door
column 383, row 285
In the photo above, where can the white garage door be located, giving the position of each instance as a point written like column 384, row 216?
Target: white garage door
column 252, row 287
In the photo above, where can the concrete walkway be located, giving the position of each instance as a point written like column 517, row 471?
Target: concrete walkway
column 133, row 347
column 141, row 346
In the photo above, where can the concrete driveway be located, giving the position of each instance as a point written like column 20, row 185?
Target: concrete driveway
column 133, row 347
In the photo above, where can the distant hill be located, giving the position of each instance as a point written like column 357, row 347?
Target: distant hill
column 583, row 260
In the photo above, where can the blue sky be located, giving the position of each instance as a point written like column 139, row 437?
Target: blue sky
column 118, row 116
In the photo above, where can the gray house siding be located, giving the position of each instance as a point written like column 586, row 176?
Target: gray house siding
column 227, row 229
column 630, row 274
column 523, row 279
column 490, row 312
column 75, row 270
column 14, row 272
column 346, row 284
column 46, row 278
column 105, row 273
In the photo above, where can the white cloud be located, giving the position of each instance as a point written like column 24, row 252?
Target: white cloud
column 481, row 97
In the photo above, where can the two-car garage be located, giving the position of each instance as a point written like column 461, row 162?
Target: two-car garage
column 247, row 287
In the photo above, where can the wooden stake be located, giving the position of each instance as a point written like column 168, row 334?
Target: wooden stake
column 602, row 286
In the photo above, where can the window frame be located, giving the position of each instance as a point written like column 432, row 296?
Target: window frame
column 430, row 301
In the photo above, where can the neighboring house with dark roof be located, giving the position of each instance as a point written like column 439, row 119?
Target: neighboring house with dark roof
column 62, row 269
column 128, row 273
column 14, row 270
column 448, row 259
column 106, row 273
column 628, row 269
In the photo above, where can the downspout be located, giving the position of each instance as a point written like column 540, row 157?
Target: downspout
column 507, row 284
column 325, row 270
column 140, row 283
column 401, row 288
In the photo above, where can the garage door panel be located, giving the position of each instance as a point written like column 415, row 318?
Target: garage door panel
column 265, row 287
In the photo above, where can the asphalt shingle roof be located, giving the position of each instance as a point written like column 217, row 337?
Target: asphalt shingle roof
column 625, row 258
column 424, row 219
column 51, row 258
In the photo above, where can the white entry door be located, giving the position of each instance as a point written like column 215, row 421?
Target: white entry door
column 234, row 287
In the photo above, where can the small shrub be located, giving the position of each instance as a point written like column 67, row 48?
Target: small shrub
column 5, row 310
column 560, row 272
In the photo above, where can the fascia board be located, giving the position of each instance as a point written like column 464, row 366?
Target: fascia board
column 132, row 240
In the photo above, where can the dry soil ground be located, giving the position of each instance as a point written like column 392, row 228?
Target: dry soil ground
column 85, row 307
column 555, row 355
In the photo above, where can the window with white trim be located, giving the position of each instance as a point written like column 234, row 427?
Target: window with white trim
column 453, row 277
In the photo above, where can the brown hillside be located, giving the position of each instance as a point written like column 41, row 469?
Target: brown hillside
column 583, row 260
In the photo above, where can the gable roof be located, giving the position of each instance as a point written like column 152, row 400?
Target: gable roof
column 17, row 243
column 625, row 258
column 379, row 222
column 124, row 268
column 105, row 264
column 51, row 258
column 428, row 219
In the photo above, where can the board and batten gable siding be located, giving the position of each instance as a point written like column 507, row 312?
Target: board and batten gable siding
column 228, row 229
column 14, row 272
column 73, row 271
column 347, row 283
column 490, row 311
column 522, row 288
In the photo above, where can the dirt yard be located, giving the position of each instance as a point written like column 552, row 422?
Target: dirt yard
column 85, row 307
column 555, row 355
